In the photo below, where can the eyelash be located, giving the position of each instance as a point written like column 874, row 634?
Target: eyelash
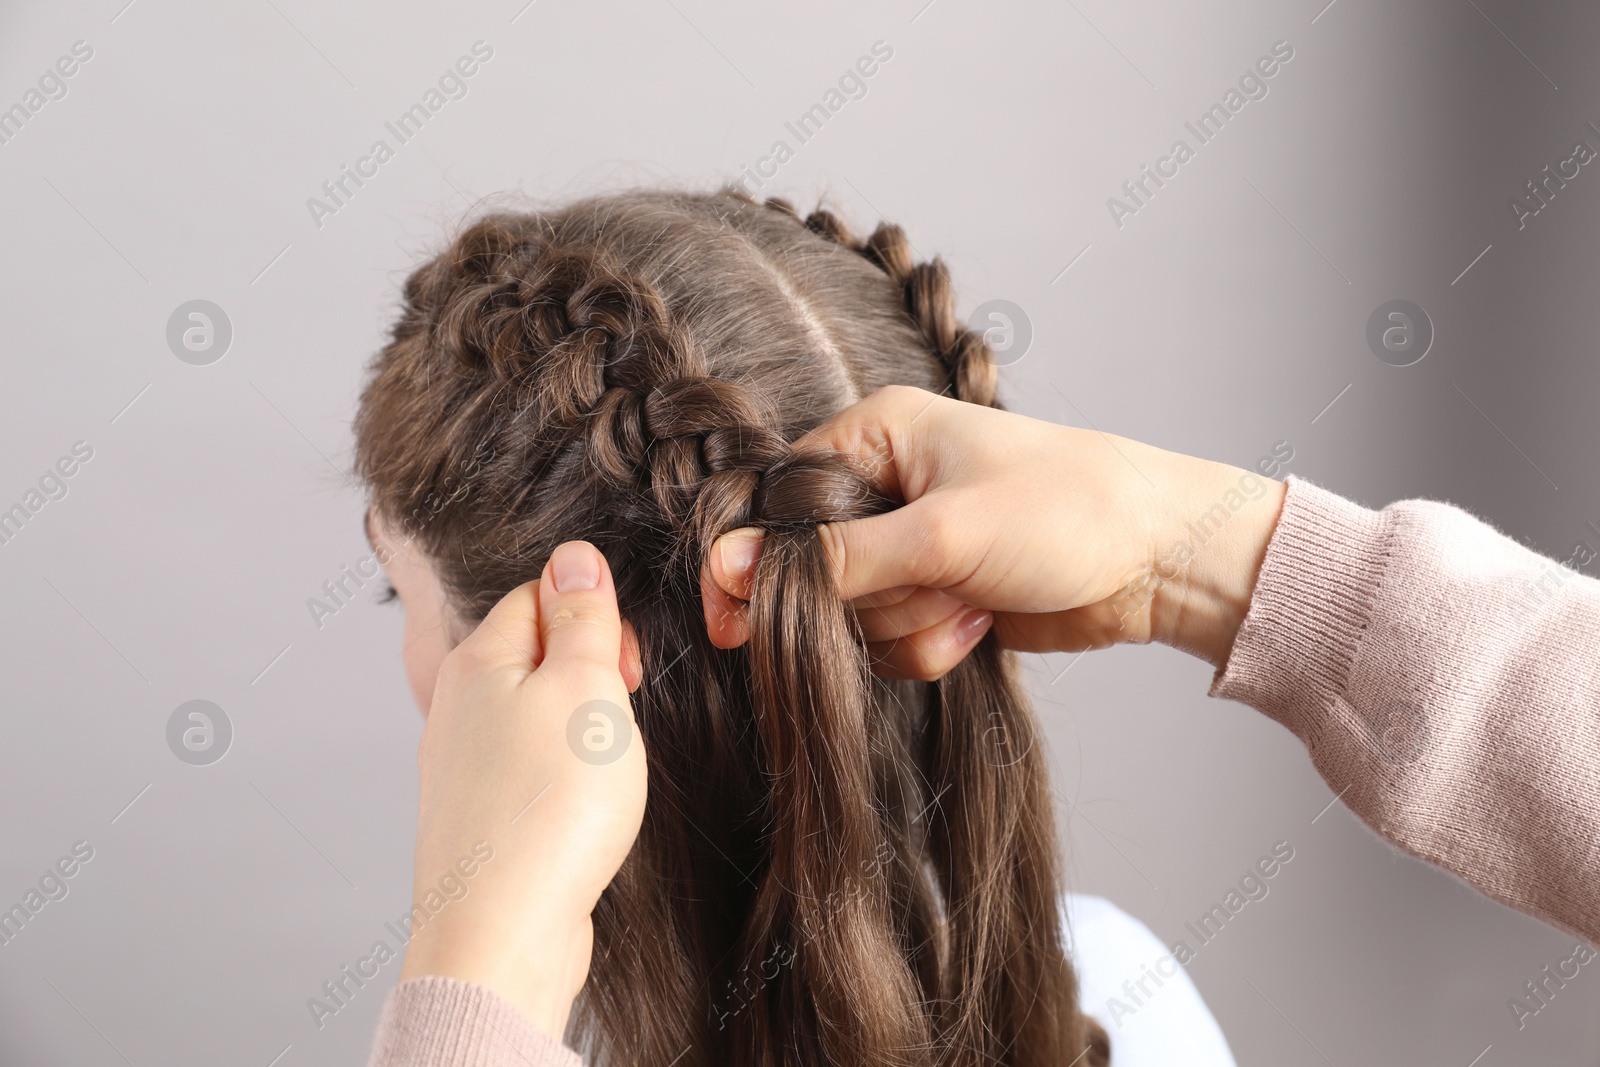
column 388, row 596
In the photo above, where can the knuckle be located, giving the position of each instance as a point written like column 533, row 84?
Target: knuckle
column 930, row 668
column 895, row 597
column 459, row 663
column 919, row 661
column 577, row 616
column 896, row 396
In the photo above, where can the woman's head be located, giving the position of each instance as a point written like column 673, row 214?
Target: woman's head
column 832, row 868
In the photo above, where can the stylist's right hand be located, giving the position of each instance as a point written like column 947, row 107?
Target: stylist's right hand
column 1061, row 538
column 504, row 772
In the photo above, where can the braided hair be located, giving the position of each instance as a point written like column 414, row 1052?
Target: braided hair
column 833, row 868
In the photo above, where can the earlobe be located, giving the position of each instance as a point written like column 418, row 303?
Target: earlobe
column 630, row 663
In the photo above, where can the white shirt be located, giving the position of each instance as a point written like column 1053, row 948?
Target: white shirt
column 1157, row 1018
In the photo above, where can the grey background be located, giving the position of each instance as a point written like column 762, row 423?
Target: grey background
column 1225, row 316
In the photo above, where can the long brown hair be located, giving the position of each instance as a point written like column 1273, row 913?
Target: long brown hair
column 833, row 868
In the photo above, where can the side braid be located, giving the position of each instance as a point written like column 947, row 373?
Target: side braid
column 929, row 299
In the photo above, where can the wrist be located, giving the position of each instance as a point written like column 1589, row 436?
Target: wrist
column 1208, row 555
column 540, row 976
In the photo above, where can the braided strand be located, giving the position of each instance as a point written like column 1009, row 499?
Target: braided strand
column 606, row 371
column 929, row 300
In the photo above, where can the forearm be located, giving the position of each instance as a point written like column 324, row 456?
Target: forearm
column 479, row 991
column 1445, row 680
column 541, row 979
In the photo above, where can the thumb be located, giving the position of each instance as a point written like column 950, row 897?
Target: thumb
column 578, row 618
column 903, row 547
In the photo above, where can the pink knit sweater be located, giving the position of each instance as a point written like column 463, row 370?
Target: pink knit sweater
column 1445, row 679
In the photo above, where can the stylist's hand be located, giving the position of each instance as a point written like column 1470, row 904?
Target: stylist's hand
column 500, row 778
column 1061, row 538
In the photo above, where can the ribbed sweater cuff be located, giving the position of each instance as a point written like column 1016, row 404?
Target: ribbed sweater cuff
column 1310, row 608
column 444, row 1022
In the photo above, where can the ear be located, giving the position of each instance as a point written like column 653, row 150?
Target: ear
column 630, row 664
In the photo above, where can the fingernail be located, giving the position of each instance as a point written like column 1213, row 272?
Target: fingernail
column 575, row 566
column 972, row 626
column 738, row 551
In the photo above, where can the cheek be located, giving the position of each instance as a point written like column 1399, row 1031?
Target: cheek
column 425, row 649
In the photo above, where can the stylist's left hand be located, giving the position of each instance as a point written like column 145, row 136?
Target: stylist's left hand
column 498, row 773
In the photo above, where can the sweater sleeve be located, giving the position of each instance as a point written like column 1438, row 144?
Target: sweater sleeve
column 1446, row 682
column 445, row 1022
